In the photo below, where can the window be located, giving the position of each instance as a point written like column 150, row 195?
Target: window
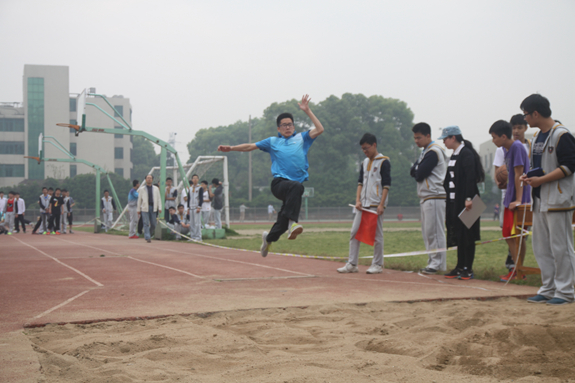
column 73, row 148
column 35, row 100
column 120, row 109
column 118, row 135
column 119, row 153
column 11, row 147
column 11, row 124
column 12, row 170
column 119, row 171
column 72, row 104
column 73, row 171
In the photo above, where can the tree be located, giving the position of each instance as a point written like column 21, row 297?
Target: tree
column 144, row 158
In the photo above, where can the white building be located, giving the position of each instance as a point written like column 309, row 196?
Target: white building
column 47, row 101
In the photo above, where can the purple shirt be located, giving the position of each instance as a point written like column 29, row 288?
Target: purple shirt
column 516, row 156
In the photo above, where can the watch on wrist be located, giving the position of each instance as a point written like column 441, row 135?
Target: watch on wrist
column 468, row 199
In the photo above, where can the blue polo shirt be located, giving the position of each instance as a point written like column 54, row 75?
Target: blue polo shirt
column 289, row 155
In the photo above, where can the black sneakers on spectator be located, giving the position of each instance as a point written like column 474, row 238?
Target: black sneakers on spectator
column 466, row 274
column 455, row 273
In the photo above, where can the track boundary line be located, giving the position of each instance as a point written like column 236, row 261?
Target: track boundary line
column 92, row 247
column 166, row 267
column 60, row 305
column 62, row 263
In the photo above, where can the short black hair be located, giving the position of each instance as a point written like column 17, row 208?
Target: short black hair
column 171, row 207
column 368, row 138
column 151, row 175
column 180, row 205
column 536, row 103
column 518, row 119
column 64, row 190
column 204, row 182
column 169, row 178
column 50, row 189
column 195, row 175
column 16, row 193
column 215, row 181
column 10, row 192
column 44, row 187
column 135, row 182
column 500, row 128
column 57, row 189
column 422, row 128
column 282, row 116
column 106, row 191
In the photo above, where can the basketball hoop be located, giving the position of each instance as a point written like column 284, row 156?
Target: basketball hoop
column 71, row 126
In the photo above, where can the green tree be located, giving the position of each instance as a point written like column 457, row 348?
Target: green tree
column 144, row 158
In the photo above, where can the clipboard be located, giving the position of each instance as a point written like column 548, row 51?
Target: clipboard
column 468, row 217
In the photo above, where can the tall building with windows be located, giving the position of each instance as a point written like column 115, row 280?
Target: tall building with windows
column 47, row 101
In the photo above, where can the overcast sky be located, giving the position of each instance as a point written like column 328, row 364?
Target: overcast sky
column 188, row 65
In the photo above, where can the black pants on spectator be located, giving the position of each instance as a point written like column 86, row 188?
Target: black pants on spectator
column 55, row 222
column 140, row 225
column 20, row 220
column 289, row 192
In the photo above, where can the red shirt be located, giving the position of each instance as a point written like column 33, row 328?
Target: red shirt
column 10, row 206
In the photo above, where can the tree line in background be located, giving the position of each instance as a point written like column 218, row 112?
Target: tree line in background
column 334, row 158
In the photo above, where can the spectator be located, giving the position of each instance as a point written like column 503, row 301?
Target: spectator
column 69, row 204
column 108, row 206
column 133, row 209
column 218, row 202
column 271, row 212
column 496, row 212
column 242, row 212
column 20, row 206
column 464, row 172
column 183, row 227
column 195, row 201
column 56, row 208
column 206, row 204
column 2, row 204
column 429, row 173
column 9, row 212
column 44, row 204
column 171, row 197
column 149, row 205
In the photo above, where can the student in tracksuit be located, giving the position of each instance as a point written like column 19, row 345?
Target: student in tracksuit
column 19, row 216
column 553, row 151
column 2, row 203
column 149, row 206
column 108, row 206
column 429, row 173
column 44, row 204
column 372, row 190
column 69, row 204
column 10, row 212
column 195, row 200
column 133, row 209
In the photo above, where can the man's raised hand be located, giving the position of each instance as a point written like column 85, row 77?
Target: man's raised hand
column 224, row 148
column 304, row 104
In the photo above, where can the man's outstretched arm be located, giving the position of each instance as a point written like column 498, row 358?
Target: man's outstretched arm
column 237, row 148
column 318, row 127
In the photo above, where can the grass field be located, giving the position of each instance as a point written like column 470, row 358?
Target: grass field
column 489, row 258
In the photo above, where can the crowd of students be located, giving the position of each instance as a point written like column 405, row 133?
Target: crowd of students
column 56, row 215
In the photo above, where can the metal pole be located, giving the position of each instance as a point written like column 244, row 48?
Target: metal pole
column 250, row 161
column 162, row 183
column 118, row 204
column 97, row 221
column 226, row 192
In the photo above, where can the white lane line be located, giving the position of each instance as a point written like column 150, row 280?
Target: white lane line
column 411, row 283
column 62, row 263
column 242, row 262
column 60, row 305
column 166, row 267
column 91, row 247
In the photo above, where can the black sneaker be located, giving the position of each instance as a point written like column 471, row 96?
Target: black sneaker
column 455, row 273
column 428, row 271
column 466, row 275
column 509, row 262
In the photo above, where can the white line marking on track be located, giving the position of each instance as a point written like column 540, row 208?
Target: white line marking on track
column 231, row 260
column 60, row 305
column 62, row 263
column 166, row 267
column 91, row 247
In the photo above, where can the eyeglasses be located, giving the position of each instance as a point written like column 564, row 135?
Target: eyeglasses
column 290, row 125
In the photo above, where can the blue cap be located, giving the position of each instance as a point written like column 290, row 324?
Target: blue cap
column 450, row 131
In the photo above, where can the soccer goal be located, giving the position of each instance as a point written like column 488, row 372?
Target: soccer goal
column 207, row 168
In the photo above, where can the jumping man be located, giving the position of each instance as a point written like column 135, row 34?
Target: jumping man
column 288, row 152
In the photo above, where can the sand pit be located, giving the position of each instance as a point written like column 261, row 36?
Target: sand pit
column 503, row 340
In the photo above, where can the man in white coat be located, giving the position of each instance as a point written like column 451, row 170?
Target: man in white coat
column 149, row 206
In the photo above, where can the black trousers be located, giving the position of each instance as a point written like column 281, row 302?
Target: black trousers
column 19, row 219
column 289, row 192
column 55, row 222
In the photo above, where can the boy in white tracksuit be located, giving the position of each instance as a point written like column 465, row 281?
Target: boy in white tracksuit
column 429, row 173
column 552, row 151
column 108, row 206
column 195, row 201
column 372, row 190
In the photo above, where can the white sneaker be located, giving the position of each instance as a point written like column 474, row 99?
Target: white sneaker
column 348, row 268
column 295, row 230
column 265, row 245
column 374, row 269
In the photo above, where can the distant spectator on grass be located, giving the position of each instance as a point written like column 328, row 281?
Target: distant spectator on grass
column 271, row 212
column 171, row 197
column 108, row 206
column 19, row 216
column 10, row 212
column 218, row 202
column 133, row 209
column 149, row 205
column 242, row 212
column 56, row 209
